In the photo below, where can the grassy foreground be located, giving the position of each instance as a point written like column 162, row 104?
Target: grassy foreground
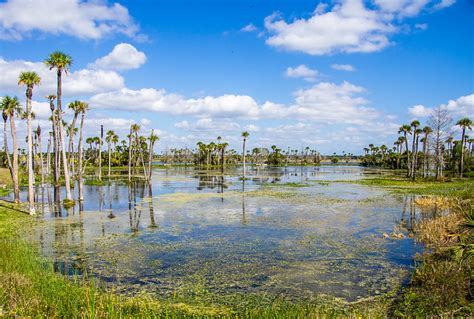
column 441, row 284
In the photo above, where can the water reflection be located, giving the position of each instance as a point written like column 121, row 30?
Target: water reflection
column 323, row 238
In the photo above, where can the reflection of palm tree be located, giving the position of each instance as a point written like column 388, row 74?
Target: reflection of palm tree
column 244, row 218
column 151, row 208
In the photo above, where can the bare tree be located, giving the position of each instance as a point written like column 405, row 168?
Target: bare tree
column 440, row 121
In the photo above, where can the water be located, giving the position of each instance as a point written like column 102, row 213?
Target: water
column 194, row 229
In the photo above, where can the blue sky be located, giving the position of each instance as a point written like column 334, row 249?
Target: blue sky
column 332, row 75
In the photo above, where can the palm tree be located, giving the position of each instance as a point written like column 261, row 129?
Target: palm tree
column 30, row 79
column 61, row 62
column 427, row 131
column 10, row 108
column 110, row 138
column 406, row 129
column 83, row 107
column 38, row 134
column 130, row 154
column 245, row 135
column 416, row 135
column 101, row 139
column 153, row 138
column 54, row 121
column 75, row 106
column 414, row 124
column 464, row 123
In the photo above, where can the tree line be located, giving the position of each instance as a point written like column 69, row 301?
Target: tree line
column 65, row 164
column 427, row 150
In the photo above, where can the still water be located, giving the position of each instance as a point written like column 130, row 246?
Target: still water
column 286, row 231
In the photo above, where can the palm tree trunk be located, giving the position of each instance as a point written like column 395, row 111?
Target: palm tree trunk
column 71, row 144
column 61, row 140
column 31, row 174
column 79, row 160
column 109, row 150
column 41, row 160
column 408, row 156
column 243, row 154
column 145, row 174
column 7, row 152
column 130, row 155
column 461, row 163
column 48, row 157
column 16, row 186
column 412, row 155
column 55, row 150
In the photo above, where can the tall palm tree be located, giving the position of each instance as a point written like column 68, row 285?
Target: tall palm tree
column 10, row 108
column 82, row 109
column 110, row 138
column 427, row 131
column 61, row 62
column 153, row 139
column 464, row 123
column 54, row 122
column 30, row 79
column 74, row 106
column 245, row 135
column 38, row 134
column 416, row 135
column 5, row 140
column 406, row 129
column 414, row 125
column 101, row 139
column 130, row 154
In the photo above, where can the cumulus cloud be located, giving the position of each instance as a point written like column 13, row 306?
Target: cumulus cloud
column 150, row 99
column 302, row 71
column 460, row 107
column 249, row 28
column 419, row 111
column 343, row 67
column 80, row 82
column 82, row 19
column 349, row 26
column 323, row 102
column 124, row 56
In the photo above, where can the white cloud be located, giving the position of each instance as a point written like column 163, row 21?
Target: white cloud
column 419, row 111
column 249, row 28
column 302, row 71
column 124, row 56
column 421, row 26
column 150, row 99
column 348, row 27
column 444, row 4
column 343, row 67
column 82, row 19
column 323, row 102
column 81, row 82
column 461, row 107
column 402, row 8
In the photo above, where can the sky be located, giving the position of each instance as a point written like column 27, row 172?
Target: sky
column 331, row 75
